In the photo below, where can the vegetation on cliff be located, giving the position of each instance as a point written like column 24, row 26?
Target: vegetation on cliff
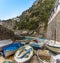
column 35, row 16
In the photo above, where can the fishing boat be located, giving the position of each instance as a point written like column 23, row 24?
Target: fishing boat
column 7, row 61
column 36, row 44
column 11, row 48
column 55, row 59
column 38, row 58
column 24, row 54
column 4, row 43
column 53, row 46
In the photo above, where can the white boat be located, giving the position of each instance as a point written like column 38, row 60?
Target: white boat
column 23, row 54
column 54, row 46
column 4, row 43
column 55, row 59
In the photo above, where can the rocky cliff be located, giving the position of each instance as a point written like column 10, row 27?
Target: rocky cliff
column 6, row 33
column 35, row 18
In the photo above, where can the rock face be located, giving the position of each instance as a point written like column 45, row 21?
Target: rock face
column 34, row 19
column 6, row 33
column 9, row 24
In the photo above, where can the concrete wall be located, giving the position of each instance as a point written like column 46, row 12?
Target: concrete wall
column 53, row 29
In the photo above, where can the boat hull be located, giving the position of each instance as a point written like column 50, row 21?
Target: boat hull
column 55, row 58
column 53, row 49
column 8, row 53
column 10, row 49
column 19, row 57
column 4, row 43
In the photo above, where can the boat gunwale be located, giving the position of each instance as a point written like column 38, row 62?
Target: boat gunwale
column 53, row 46
column 21, row 48
column 48, row 47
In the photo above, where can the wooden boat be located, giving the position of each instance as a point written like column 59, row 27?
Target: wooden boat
column 8, row 62
column 54, row 46
column 36, row 44
column 40, row 60
column 4, row 43
column 11, row 48
column 55, row 59
column 44, row 54
column 23, row 54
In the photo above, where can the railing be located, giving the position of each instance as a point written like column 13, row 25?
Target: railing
column 54, row 9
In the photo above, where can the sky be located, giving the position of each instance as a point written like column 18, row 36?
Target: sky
column 13, row 8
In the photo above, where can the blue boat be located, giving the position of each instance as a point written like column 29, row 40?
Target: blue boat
column 11, row 48
column 5, row 43
column 37, row 43
column 35, row 46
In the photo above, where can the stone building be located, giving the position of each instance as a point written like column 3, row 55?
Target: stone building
column 53, row 29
